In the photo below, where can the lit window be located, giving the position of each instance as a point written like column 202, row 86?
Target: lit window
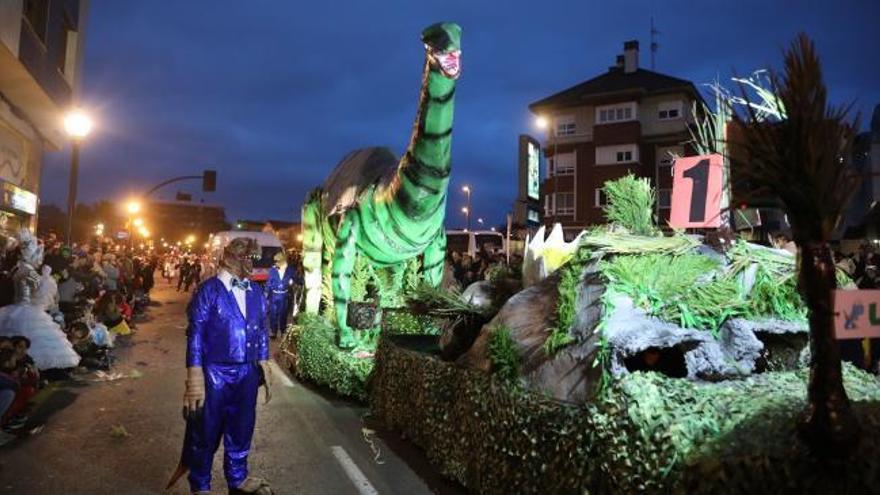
column 621, row 112
column 565, row 125
column 565, row 164
column 564, row 203
column 669, row 110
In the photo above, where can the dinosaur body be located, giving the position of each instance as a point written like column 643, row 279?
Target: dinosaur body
column 384, row 209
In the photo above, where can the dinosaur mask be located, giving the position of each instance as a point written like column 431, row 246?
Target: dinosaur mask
column 442, row 42
column 238, row 257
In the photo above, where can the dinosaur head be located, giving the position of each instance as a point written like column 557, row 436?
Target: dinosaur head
column 443, row 45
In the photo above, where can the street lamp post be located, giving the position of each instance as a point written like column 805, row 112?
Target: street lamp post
column 77, row 125
column 467, row 209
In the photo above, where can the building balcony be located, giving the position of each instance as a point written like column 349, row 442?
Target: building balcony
column 617, row 133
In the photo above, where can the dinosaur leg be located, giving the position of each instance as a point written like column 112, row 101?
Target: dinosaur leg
column 343, row 265
column 434, row 258
column 312, row 245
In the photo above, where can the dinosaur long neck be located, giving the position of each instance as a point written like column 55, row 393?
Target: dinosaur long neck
column 419, row 187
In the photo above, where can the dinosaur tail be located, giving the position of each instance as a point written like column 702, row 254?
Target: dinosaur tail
column 312, row 247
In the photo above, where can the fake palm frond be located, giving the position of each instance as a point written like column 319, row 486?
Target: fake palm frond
column 768, row 105
column 631, row 204
column 801, row 159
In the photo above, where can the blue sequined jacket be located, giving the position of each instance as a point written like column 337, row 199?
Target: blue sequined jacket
column 219, row 333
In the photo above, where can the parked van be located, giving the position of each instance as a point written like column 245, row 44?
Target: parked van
column 269, row 244
column 471, row 242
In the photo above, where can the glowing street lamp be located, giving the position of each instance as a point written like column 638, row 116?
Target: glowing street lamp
column 480, row 221
column 77, row 125
column 138, row 222
column 190, row 239
column 133, row 207
column 541, row 122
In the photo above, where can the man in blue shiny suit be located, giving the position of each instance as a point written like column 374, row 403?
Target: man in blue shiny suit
column 226, row 359
column 281, row 277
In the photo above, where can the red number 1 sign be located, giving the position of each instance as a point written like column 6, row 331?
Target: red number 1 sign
column 696, row 192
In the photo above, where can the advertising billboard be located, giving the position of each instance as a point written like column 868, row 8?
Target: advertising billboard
column 533, row 171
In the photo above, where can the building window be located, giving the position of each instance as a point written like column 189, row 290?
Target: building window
column 565, row 125
column 37, row 14
column 617, row 154
column 669, row 110
column 564, row 163
column 599, row 199
column 67, row 48
column 564, row 203
column 664, row 198
column 616, row 113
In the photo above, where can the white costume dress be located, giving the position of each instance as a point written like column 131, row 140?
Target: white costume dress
column 49, row 345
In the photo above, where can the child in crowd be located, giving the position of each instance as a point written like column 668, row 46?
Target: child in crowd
column 29, row 382
column 94, row 356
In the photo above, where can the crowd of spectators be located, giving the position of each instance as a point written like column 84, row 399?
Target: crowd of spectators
column 93, row 292
column 466, row 269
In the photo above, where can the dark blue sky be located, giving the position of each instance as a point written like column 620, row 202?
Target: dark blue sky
column 272, row 94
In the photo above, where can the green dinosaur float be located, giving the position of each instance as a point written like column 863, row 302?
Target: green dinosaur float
column 381, row 208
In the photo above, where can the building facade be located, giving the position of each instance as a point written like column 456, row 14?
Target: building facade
column 177, row 221
column 627, row 120
column 40, row 54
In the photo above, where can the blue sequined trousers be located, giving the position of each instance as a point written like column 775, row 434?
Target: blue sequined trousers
column 230, row 413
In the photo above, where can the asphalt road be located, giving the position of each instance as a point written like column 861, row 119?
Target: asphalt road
column 124, row 436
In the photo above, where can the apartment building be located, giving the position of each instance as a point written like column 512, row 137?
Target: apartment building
column 628, row 119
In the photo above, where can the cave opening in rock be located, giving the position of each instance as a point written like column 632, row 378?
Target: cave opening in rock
column 666, row 360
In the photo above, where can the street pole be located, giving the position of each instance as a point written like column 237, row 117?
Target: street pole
column 468, row 214
column 71, row 190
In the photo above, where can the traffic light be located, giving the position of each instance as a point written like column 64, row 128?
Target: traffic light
column 209, row 181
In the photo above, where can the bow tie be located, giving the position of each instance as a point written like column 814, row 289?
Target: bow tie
column 241, row 284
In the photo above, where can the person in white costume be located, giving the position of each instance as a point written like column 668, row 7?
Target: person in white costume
column 49, row 345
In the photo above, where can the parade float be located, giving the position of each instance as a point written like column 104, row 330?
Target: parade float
column 635, row 360
column 629, row 359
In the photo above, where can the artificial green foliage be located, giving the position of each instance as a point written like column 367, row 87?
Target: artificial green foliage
column 315, row 356
column 654, row 280
column 615, row 242
column 566, row 300
column 405, row 322
column 631, row 205
column 504, row 355
column 647, row 434
column 775, row 297
column 412, row 277
column 705, row 306
column 361, row 278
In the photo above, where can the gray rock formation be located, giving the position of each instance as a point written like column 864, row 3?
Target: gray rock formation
column 479, row 294
column 635, row 340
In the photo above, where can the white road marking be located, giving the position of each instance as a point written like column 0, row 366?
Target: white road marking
column 277, row 371
column 361, row 483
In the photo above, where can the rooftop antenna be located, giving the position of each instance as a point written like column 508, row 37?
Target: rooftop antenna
column 654, row 44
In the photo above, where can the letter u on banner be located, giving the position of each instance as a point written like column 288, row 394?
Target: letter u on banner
column 696, row 192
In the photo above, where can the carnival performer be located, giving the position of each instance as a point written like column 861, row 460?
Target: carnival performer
column 50, row 348
column 281, row 278
column 226, row 362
